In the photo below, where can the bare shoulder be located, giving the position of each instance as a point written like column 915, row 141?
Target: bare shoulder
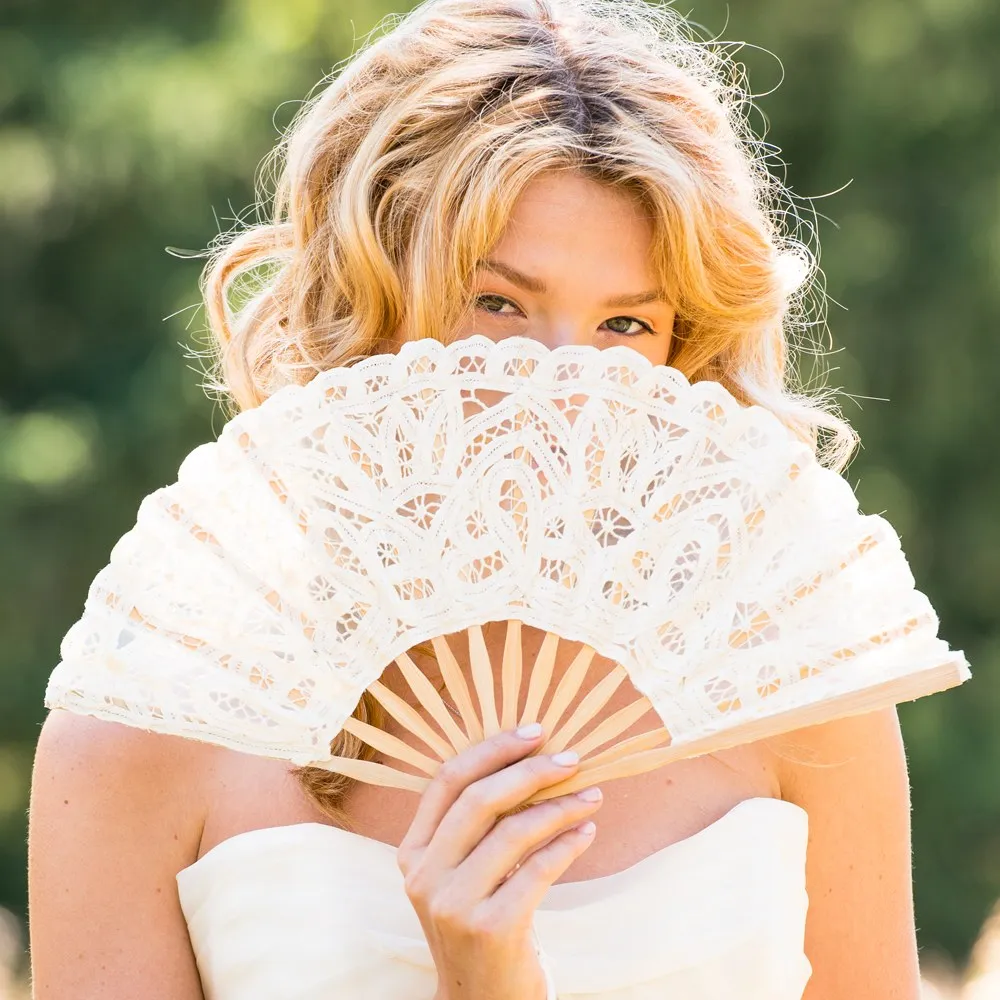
column 851, row 778
column 115, row 813
column 108, row 771
column 849, row 774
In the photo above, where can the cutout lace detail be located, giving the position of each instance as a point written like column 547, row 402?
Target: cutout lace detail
column 588, row 493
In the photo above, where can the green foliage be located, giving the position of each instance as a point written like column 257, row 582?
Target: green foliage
column 127, row 130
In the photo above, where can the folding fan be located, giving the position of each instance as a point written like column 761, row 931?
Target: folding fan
column 689, row 541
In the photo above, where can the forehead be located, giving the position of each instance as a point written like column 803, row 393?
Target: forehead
column 564, row 221
column 571, row 197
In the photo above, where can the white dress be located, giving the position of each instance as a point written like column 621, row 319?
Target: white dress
column 313, row 912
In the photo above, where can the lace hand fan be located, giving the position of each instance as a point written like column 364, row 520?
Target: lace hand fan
column 692, row 542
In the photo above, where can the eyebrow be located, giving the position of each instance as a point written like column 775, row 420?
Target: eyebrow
column 537, row 287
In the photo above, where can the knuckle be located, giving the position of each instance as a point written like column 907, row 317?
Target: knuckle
column 538, row 774
column 540, row 816
column 476, row 797
column 416, row 885
column 450, row 773
column 520, row 826
column 529, row 774
column 484, row 922
column 406, row 859
column 448, row 914
column 505, row 741
column 460, row 919
column 546, row 863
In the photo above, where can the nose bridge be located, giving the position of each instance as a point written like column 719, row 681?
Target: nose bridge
column 564, row 330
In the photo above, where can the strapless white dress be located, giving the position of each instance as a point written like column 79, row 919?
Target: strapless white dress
column 313, row 912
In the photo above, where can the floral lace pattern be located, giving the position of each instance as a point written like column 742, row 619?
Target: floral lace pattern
column 586, row 492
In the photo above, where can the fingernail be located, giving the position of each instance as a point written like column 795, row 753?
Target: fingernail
column 590, row 795
column 529, row 731
column 566, row 758
column 587, row 828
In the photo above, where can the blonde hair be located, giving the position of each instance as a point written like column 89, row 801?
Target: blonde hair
column 400, row 173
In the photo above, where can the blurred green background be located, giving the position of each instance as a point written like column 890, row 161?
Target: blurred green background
column 125, row 129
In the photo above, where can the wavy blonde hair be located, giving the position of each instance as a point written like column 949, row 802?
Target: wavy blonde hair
column 400, row 173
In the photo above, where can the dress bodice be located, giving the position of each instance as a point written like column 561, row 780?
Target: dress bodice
column 313, row 912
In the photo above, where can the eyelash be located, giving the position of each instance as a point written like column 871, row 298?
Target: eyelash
column 491, row 295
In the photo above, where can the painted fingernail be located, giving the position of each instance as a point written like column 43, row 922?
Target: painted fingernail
column 566, row 758
column 529, row 731
column 590, row 795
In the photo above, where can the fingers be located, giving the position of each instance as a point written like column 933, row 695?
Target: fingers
column 457, row 773
column 526, row 888
column 476, row 810
column 518, row 839
column 458, row 854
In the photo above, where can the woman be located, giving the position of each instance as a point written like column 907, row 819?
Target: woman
column 577, row 173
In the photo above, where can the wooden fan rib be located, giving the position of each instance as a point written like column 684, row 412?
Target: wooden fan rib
column 391, row 745
column 482, row 679
column 410, row 719
column 613, row 726
column 457, row 688
column 510, row 674
column 541, row 676
column 628, row 748
column 892, row 692
column 373, row 773
column 594, row 701
column 428, row 696
column 567, row 687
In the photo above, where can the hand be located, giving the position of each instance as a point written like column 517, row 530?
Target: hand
column 459, row 858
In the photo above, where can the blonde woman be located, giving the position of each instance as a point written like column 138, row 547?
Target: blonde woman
column 580, row 173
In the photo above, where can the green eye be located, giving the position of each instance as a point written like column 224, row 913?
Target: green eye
column 494, row 305
column 627, row 321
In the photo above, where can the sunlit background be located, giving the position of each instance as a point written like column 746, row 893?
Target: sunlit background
column 129, row 128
